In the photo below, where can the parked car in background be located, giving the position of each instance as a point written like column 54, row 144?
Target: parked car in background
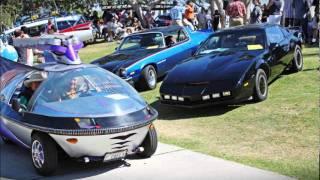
column 163, row 20
column 233, row 65
column 75, row 25
column 143, row 57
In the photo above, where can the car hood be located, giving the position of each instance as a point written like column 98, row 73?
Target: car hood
column 220, row 69
column 123, row 59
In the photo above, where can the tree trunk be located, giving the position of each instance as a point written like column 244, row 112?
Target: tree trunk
column 136, row 7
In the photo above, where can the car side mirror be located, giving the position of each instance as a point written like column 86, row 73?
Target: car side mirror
column 274, row 46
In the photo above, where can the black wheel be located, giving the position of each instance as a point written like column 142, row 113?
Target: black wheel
column 150, row 143
column 6, row 140
column 297, row 62
column 260, row 92
column 148, row 78
column 44, row 154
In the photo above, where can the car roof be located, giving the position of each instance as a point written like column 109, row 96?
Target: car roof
column 44, row 22
column 248, row 27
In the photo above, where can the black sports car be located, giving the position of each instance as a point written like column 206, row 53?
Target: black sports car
column 233, row 65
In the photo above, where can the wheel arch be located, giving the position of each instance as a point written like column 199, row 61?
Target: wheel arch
column 59, row 148
column 265, row 67
column 151, row 64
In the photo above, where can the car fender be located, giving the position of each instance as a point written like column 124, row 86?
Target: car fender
column 261, row 64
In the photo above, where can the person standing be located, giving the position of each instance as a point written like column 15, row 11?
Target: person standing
column 202, row 19
column 216, row 20
column 237, row 11
column 149, row 18
column 27, row 52
column 189, row 16
column 275, row 13
column 288, row 13
column 176, row 14
column 49, row 26
column 256, row 14
column 301, row 10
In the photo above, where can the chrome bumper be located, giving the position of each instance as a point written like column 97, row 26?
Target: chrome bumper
column 99, row 145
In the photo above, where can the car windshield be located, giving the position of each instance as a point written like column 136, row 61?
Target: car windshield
column 86, row 91
column 234, row 40
column 143, row 41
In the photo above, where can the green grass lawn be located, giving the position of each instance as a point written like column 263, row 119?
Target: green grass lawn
column 92, row 52
column 280, row 134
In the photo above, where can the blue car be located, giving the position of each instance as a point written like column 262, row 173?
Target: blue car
column 143, row 57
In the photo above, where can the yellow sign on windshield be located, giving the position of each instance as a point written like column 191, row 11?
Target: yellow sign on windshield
column 152, row 47
column 255, row 47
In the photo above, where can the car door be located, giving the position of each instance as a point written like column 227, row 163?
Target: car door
column 289, row 45
column 278, row 49
column 181, row 50
column 10, row 117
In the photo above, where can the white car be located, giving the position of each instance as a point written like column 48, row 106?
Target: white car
column 75, row 25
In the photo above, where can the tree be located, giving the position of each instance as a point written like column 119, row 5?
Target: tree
column 137, row 8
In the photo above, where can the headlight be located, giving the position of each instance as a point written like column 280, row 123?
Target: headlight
column 86, row 123
column 206, row 97
column 216, row 95
column 226, row 93
column 174, row 98
column 166, row 96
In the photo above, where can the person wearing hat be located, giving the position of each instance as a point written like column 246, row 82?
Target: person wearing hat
column 31, row 85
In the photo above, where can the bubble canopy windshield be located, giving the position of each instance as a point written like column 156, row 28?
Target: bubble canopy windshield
column 86, row 92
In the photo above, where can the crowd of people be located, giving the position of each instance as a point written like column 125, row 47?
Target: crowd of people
column 117, row 24
column 289, row 13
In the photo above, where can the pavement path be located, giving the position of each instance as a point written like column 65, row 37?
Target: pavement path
column 169, row 162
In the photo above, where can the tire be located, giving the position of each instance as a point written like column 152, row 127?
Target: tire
column 260, row 91
column 148, row 78
column 150, row 143
column 297, row 62
column 44, row 154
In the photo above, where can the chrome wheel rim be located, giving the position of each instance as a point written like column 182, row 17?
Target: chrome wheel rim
column 298, row 59
column 151, row 78
column 37, row 154
column 262, row 86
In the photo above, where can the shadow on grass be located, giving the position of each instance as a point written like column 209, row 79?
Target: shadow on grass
column 311, row 69
column 305, row 55
column 176, row 113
